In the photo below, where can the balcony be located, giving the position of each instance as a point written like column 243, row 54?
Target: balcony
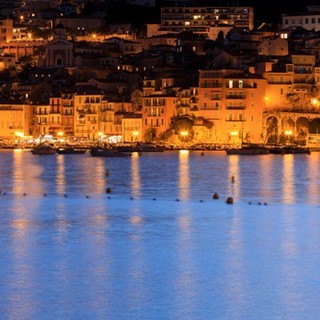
column 235, row 107
column 235, row 96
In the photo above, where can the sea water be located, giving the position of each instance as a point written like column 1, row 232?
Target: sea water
column 158, row 246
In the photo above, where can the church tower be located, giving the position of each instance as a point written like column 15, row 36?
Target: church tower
column 59, row 51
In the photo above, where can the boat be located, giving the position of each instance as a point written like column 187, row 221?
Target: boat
column 289, row 150
column 71, row 150
column 140, row 147
column 149, row 147
column 248, row 149
column 106, row 152
column 43, row 149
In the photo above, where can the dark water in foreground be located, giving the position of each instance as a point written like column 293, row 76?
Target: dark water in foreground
column 138, row 253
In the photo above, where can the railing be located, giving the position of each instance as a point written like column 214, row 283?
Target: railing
column 235, row 107
column 235, row 96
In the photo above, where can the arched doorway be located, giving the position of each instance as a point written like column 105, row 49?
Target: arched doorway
column 288, row 130
column 272, row 130
column 315, row 126
column 302, row 130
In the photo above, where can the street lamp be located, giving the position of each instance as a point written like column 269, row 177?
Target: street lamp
column 314, row 102
column 60, row 135
column 288, row 134
column 135, row 135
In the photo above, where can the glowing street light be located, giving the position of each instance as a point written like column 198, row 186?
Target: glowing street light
column 19, row 134
column 288, row 134
column 184, row 134
column 314, row 102
column 60, row 135
column 100, row 135
column 135, row 135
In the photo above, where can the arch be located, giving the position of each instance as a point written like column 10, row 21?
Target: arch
column 302, row 130
column 287, row 123
column 59, row 62
column 287, row 130
column 272, row 129
column 315, row 126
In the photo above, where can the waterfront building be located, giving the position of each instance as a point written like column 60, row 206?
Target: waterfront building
column 87, row 106
column 157, row 111
column 15, row 119
column 111, row 116
column 132, row 127
column 234, row 102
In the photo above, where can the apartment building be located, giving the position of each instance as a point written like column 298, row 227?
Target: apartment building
column 298, row 75
column 308, row 20
column 200, row 19
column 157, row 111
column 234, row 102
column 87, row 106
column 15, row 119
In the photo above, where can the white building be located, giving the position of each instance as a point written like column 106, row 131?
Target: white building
column 308, row 21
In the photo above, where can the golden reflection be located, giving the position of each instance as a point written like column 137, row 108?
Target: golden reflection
column 135, row 175
column 313, row 185
column 290, row 250
column 18, row 172
column 265, row 174
column 236, row 268
column 136, row 220
column 288, row 178
column 22, row 259
column 234, row 176
column 184, row 179
column 60, row 176
column 184, row 223
column 100, row 183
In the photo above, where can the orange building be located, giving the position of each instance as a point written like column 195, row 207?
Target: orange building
column 234, row 102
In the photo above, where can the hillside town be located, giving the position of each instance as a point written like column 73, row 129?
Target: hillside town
column 206, row 74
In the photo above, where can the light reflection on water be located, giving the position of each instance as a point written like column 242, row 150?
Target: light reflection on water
column 151, row 256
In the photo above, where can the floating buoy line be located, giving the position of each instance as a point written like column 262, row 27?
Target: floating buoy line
column 229, row 200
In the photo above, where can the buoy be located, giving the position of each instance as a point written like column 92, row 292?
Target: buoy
column 265, row 204
column 154, row 199
column 233, row 179
column 259, row 203
column 229, row 200
column 24, row 194
column 108, row 190
column 107, row 172
column 215, row 196
column 201, row 200
column 87, row 196
column 131, row 198
column 177, row 200
column 202, row 153
column 65, row 196
column 44, row 194
column 249, row 202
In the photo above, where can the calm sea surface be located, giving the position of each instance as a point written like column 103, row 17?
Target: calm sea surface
column 158, row 246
